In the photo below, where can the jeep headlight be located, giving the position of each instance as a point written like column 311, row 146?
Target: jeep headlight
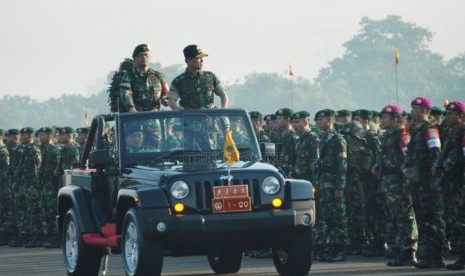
column 179, row 189
column 271, row 185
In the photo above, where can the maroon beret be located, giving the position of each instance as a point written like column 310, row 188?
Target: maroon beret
column 456, row 106
column 423, row 101
column 392, row 109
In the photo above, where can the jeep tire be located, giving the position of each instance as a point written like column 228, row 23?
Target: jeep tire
column 294, row 257
column 80, row 258
column 141, row 256
column 228, row 261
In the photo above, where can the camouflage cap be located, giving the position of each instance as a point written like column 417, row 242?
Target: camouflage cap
column 139, row 49
column 423, row 101
column 343, row 113
column 83, row 130
column 353, row 128
column 27, row 130
column 300, row 115
column 47, row 130
column 363, row 113
column 255, row 115
column 436, row 111
column 286, row 112
column 392, row 109
column 66, row 130
column 325, row 113
column 456, row 106
column 193, row 51
column 2, row 132
column 12, row 131
column 270, row 117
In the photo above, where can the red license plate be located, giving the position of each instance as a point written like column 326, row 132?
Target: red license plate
column 229, row 205
column 231, row 191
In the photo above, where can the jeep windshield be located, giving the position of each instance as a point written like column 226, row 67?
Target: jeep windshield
column 185, row 138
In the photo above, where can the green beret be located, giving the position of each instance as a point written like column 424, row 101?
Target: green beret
column 2, row 131
column 255, row 115
column 325, row 113
column 436, row 111
column 286, row 112
column 374, row 113
column 13, row 131
column 300, row 114
column 139, row 49
column 27, row 130
column 84, row 130
column 47, row 130
column 343, row 113
column 363, row 113
column 66, row 130
column 270, row 117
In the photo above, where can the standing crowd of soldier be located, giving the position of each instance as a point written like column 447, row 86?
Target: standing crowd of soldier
column 383, row 181
column 32, row 166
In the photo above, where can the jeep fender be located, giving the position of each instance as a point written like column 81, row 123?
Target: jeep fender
column 298, row 190
column 75, row 197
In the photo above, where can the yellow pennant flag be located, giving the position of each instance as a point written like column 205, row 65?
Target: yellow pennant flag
column 397, row 56
column 231, row 154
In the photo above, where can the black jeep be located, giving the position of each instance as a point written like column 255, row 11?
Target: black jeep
column 162, row 188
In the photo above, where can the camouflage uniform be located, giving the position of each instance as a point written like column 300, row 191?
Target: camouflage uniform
column 49, row 183
column 451, row 178
column 423, row 150
column 6, row 230
column 401, row 218
column 15, row 152
column 286, row 152
column 332, row 165
column 68, row 155
column 29, row 196
column 196, row 91
column 306, row 149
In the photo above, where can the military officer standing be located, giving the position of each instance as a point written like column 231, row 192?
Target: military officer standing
column 450, row 169
column 69, row 152
column 285, row 147
column 50, row 184
column 401, row 215
column 256, row 118
column 142, row 88
column 82, row 133
column 331, row 181
column 16, row 151
column 195, row 88
column 423, row 150
column 306, row 147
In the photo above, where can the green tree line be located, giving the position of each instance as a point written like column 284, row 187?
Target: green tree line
column 364, row 77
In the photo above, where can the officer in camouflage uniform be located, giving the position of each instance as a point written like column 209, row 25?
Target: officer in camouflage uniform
column 69, row 152
column 49, row 183
column 15, row 150
column 401, row 216
column 375, row 195
column 450, row 169
column 331, row 230
column 82, row 134
column 256, row 118
column 343, row 116
column 306, row 147
column 173, row 141
column 271, row 128
column 142, row 88
column 423, row 150
column 285, row 147
column 195, row 88
column 5, row 229
column 29, row 191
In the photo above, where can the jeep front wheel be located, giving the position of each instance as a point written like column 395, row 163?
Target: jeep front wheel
column 80, row 258
column 295, row 256
column 228, row 261
column 141, row 256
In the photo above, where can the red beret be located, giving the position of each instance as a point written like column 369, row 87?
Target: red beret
column 392, row 109
column 423, row 101
column 457, row 106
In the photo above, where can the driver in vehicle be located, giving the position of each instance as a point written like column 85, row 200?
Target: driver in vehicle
column 135, row 140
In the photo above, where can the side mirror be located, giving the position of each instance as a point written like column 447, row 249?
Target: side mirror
column 268, row 150
column 99, row 158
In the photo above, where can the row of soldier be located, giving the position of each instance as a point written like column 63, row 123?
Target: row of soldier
column 32, row 163
column 384, row 181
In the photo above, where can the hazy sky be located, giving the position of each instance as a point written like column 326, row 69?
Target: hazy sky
column 51, row 47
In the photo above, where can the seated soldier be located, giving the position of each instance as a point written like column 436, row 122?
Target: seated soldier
column 135, row 138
